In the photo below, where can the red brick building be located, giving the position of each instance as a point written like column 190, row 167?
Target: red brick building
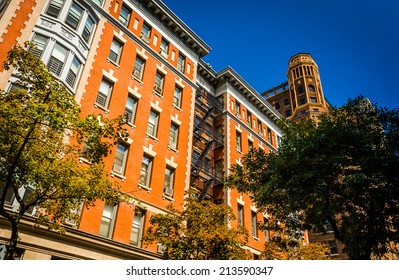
column 187, row 122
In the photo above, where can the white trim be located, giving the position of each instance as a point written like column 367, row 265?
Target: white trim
column 110, row 75
column 134, row 92
column 120, row 36
column 148, row 150
column 142, row 54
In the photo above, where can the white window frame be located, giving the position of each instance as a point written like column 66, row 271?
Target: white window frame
column 122, row 18
column 153, row 121
column 72, row 15
column 177, row 97
column 104, row 91
column 146, row 170
column 115, row 50
column 240, row 215
column 137, row 227
column 130, row 111
column 107, row 221
column 159, row 82
column 181, row 61
column 173, row 135
column 51, row 4
column 120, row 159
column 169, row 181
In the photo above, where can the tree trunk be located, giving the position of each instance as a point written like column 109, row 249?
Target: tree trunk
column 13, row 241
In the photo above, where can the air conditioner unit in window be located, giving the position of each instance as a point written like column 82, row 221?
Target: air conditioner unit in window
column 168, row 191
column 158, row 89
column 137, row 74
column 164, row 54
column 161, row 248
column 117, row 168
column 142, row 179
column 145, row 38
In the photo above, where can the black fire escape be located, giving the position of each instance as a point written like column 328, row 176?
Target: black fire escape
column 206, row 138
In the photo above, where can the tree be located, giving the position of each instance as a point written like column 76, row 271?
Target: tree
column 287, row 241
column 199, row 232
column 40, row 143
column 342, row 169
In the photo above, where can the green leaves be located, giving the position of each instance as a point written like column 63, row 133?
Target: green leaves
column 199, row 232
column 41, row 140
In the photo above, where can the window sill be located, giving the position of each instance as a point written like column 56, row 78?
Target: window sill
column 173, row 149
column 114, row 63
column 131, row 125
column 152, row 137
column 166, row 197
column 240, row 152
column 177, row 108
column 138, row 80
column 141, row 186
column 84, row 160
column 157, row 94
column 101, row 107
column 255, row 238
column 120, row 176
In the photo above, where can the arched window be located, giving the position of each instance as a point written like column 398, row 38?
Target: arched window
column 277, row 106
column 311, row 88
column 300, row 90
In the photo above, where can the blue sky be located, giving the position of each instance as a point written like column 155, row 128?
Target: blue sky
column 355, row 43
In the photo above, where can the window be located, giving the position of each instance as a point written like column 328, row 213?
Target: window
column 120, row 159
column 164, row 48
column 158, row 84
column 124, row 15
column 238, row 109
column 277, row 106
column 259, row 127
column 269, row 135
column 311, row 88
column 238, row 141
column 145, row 171
column 73, row 72
column 9, row 196
column 54, row 8
column 98, row 2
column 333, row 247
column 115, row 51
column 40, row 44
column 169, row 181
column 288, row 113
column 74, row 16
column 130, row 109
column 250, row 145
column 254, row 225
column 104, row 94
column 181, row 60
column 249, row 119
column 137, row 227
column 177, row 97
column 300, row 90
column 153, row 124
column 266, row 224
column 146, row 33
column 57, row 59
column 106, row 226
column 286, row 102
column 88, row 29
column 173, row 135
column 313, row 99
column 240, row 215
column 302, row 101
column 329, row 227
column 138, row 68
